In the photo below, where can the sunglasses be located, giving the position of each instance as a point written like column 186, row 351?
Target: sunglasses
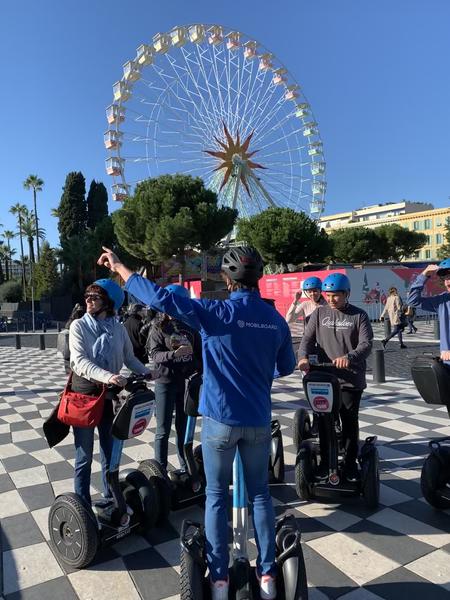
column 92, row 297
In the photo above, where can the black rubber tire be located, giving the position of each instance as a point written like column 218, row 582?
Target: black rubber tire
column 149, row 499
column 301, row 428
column 303, row 471
column 433, row 478
column 276, row 462
column 158, row 480
column 192, row 587
column 78, row 550
column 371, row 479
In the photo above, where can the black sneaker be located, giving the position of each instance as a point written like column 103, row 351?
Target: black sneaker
column 351, row 472
column 383, row 343
column 402, row 346
column 321, row 473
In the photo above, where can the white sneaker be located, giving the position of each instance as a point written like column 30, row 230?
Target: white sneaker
column 219, row 590
column 267, row 587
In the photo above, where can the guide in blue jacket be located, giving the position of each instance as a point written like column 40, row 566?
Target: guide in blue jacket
column 246, row 343
column 439, row 304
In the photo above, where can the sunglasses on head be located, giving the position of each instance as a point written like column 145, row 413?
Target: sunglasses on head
column 93, row 297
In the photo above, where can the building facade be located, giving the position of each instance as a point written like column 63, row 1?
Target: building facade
column 415, row 216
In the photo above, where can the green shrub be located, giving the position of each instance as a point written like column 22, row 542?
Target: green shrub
column 10, row 291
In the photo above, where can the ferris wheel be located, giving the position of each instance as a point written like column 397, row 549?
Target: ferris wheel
column 211, row 102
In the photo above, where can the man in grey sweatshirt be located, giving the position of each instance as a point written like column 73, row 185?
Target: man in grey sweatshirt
column 340, row 333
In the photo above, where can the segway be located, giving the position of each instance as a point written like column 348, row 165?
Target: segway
column 323, row 392
column 78, row 530
column 291, row 573
column 432, row 379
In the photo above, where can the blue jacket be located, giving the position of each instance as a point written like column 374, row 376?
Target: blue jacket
column 246, row 343
column 439, row 304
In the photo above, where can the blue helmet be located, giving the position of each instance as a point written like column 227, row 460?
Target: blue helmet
column 312, row 283
column 336, row 282
column 178, row 290
column 114, row 291
column 443, row 266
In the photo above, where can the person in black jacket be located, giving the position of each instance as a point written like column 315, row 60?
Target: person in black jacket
column 176, row 350
column 134, row 325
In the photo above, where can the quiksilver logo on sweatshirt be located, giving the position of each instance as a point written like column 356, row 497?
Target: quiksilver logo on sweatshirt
column 256, row 325
column 336, row 323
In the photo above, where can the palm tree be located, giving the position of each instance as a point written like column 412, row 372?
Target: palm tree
column 3, row 260
column 35, row 183
column 8, row 235
column 19, row 210
column 29, row 231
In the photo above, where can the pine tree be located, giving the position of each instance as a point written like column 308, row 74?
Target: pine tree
column 97, row 204
column 71, row 211
column 46, row 272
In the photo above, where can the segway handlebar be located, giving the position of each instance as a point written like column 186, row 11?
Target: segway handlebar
column 331, row 365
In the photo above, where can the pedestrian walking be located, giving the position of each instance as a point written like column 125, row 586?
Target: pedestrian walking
column 410, row 314
column 394, row 310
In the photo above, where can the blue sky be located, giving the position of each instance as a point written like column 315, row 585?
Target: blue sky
column 375, row 73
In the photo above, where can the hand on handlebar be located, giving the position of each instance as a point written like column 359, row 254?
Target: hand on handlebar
column 117, row 380
column 341, row 362
column 303, row 365
column 445, row 355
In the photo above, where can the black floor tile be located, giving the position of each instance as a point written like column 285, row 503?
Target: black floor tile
column 152, row 575
column 23, row 461
column 59, row 470
column 33, row 445
column 37, row 496
column 402, row 584
column 325, row 576
column 6, row 483
column 20, row 530
column 56, row 589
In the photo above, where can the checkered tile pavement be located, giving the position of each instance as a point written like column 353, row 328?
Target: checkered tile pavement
column 399, row 551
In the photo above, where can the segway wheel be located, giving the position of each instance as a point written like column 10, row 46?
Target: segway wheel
column 276, row 461
column 304, row 470
column 301, row 427
column 73, row 531
column 434, row 478
column 370, row 478
column 193, row 585
column 160, row 484
column 149, row 501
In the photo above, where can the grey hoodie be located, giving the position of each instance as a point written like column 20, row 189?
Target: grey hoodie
column 333, row 333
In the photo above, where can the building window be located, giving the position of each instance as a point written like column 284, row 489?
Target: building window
column 439, row 238
column 428, row 242
column 416, row 225
column 365, row 218
column 427, row 224
column 427, row 253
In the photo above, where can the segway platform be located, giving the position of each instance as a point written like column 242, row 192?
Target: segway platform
column 432, row 379
column 323, row 392
column 77, row 530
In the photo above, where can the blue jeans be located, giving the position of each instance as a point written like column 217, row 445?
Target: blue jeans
column 219, row 443
column 169, row 396
column 84, row 444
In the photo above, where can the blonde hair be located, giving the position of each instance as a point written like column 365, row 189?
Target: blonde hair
column 393, row 290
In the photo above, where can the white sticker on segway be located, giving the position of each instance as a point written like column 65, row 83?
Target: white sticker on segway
column 140, row 418
column 320, row 396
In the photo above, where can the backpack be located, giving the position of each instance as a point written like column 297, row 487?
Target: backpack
column 62, row 344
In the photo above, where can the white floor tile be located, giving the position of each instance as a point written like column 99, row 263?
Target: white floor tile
column 28, row 566
column 10, row 450
column 107, row 581
column 434, row 567
column 408, row 526
column 11, row 504
column 27, row 477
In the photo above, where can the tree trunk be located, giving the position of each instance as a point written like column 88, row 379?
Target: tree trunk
column 22, row 259
column 36, row 221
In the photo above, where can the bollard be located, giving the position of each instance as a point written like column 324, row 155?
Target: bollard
column 378, row 367
column 436, row 329
column 17, row 325
column 18, row 345
column 387, row 328
column 58, row 327
column 42, row 342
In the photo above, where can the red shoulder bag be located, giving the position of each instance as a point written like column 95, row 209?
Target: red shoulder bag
column 80, row 410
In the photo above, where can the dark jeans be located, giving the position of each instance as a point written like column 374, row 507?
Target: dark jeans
column 84, row 444
column 411, row 324
column 169, row 396
column 349, row 420
column 397, row 330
